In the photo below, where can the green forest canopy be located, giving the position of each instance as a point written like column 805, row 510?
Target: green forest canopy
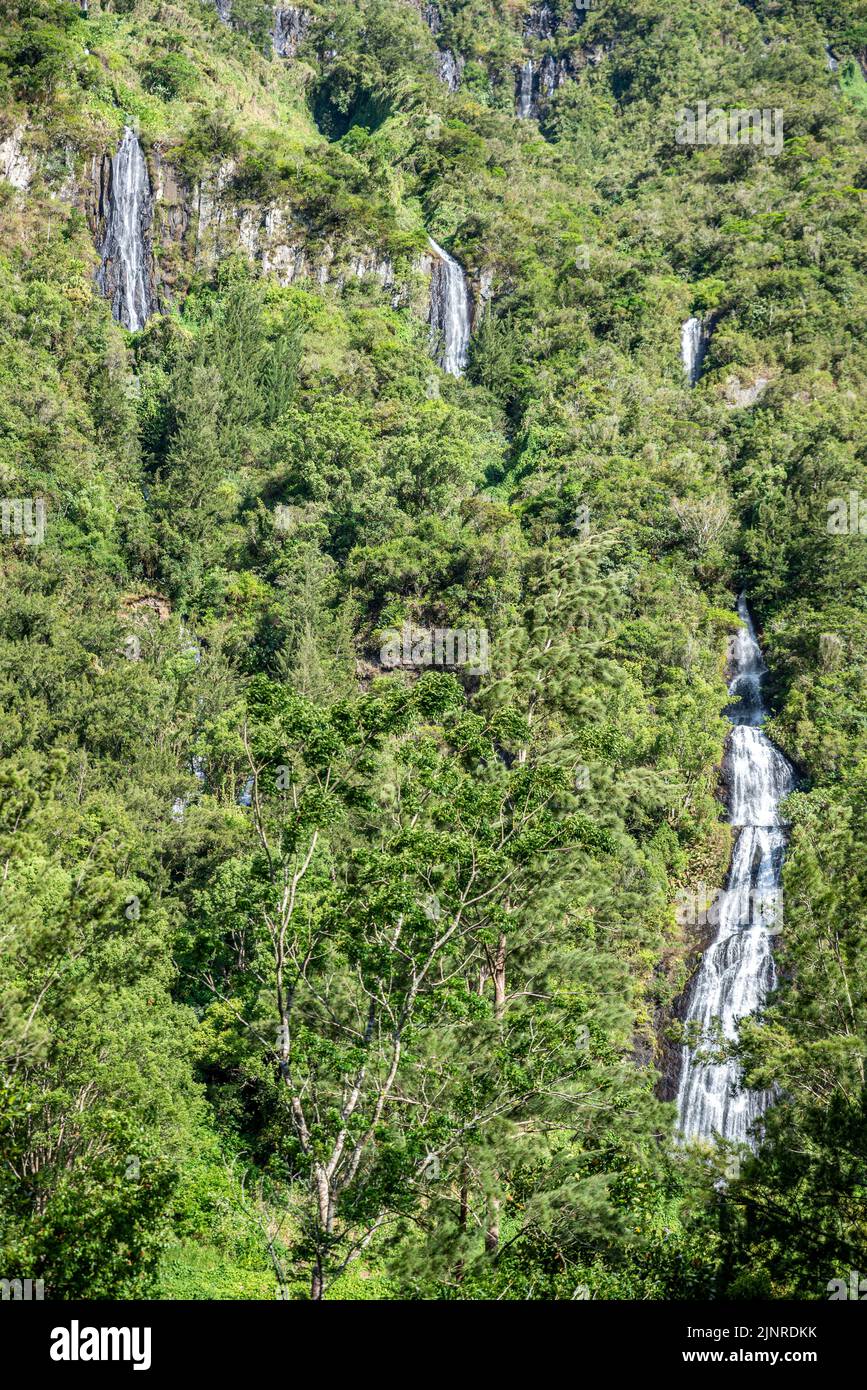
column 354, row 982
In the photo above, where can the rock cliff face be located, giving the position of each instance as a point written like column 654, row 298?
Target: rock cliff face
column 541, row 22
column 15, row 166
column 173, row 205
column 126, row 204
column 449, row 69
column 449, row 66
column 740, row 393
column 167, row 258
column 432, row 18
column 168, row 229
column 275, row 239
column 537, row 81
column 551, row 56
column 291, row 23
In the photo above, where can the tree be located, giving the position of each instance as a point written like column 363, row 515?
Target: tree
column 394, row 847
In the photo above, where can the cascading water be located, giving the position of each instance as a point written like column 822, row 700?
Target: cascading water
column 693, row 345
column 450, row 311
column 432, row 18
column 552, row 74
column 124, row 275
column 525, row 105
column 449, row 68
column 737, row 969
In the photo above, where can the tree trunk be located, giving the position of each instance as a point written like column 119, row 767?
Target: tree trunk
column 499, row 977
column 492, row 1234
column 464, row 1214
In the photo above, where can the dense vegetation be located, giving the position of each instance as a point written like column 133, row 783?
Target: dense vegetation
column 335, row 980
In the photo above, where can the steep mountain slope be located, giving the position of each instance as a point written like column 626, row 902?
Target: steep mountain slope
column 340, row 343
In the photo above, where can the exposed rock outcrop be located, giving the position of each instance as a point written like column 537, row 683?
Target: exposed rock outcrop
column 482, row 289
column 275, row 239
column 540, row 22
column 537, row 81
column 291, row 23
column 172, row 223
column 16, row 167
column 739, row 394
column 553, row 73
column 126, row 274
column 432, row 18
column 450, row 67
column 194, row 226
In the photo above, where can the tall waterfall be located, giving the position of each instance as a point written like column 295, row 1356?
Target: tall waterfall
column 737, row 969
column 693, row 345
column 124, row 275
column 525, row 105
column 450, row 311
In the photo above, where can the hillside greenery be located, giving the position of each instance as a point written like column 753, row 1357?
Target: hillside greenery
column 320, row 979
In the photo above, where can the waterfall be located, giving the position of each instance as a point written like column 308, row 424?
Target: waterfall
column 432, row 18
column 552, row 74
column 124, row 275
column 449, row 312
column 525, row 106
column 449, row 68
column 180, row 804
column 693, row 346
column 737, row 969
column 245, row 795
column 541, row 21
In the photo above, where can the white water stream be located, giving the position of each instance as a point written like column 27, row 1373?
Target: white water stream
column 124, row 275
column 737, row 969
column 693, row 345
column 450, row 311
